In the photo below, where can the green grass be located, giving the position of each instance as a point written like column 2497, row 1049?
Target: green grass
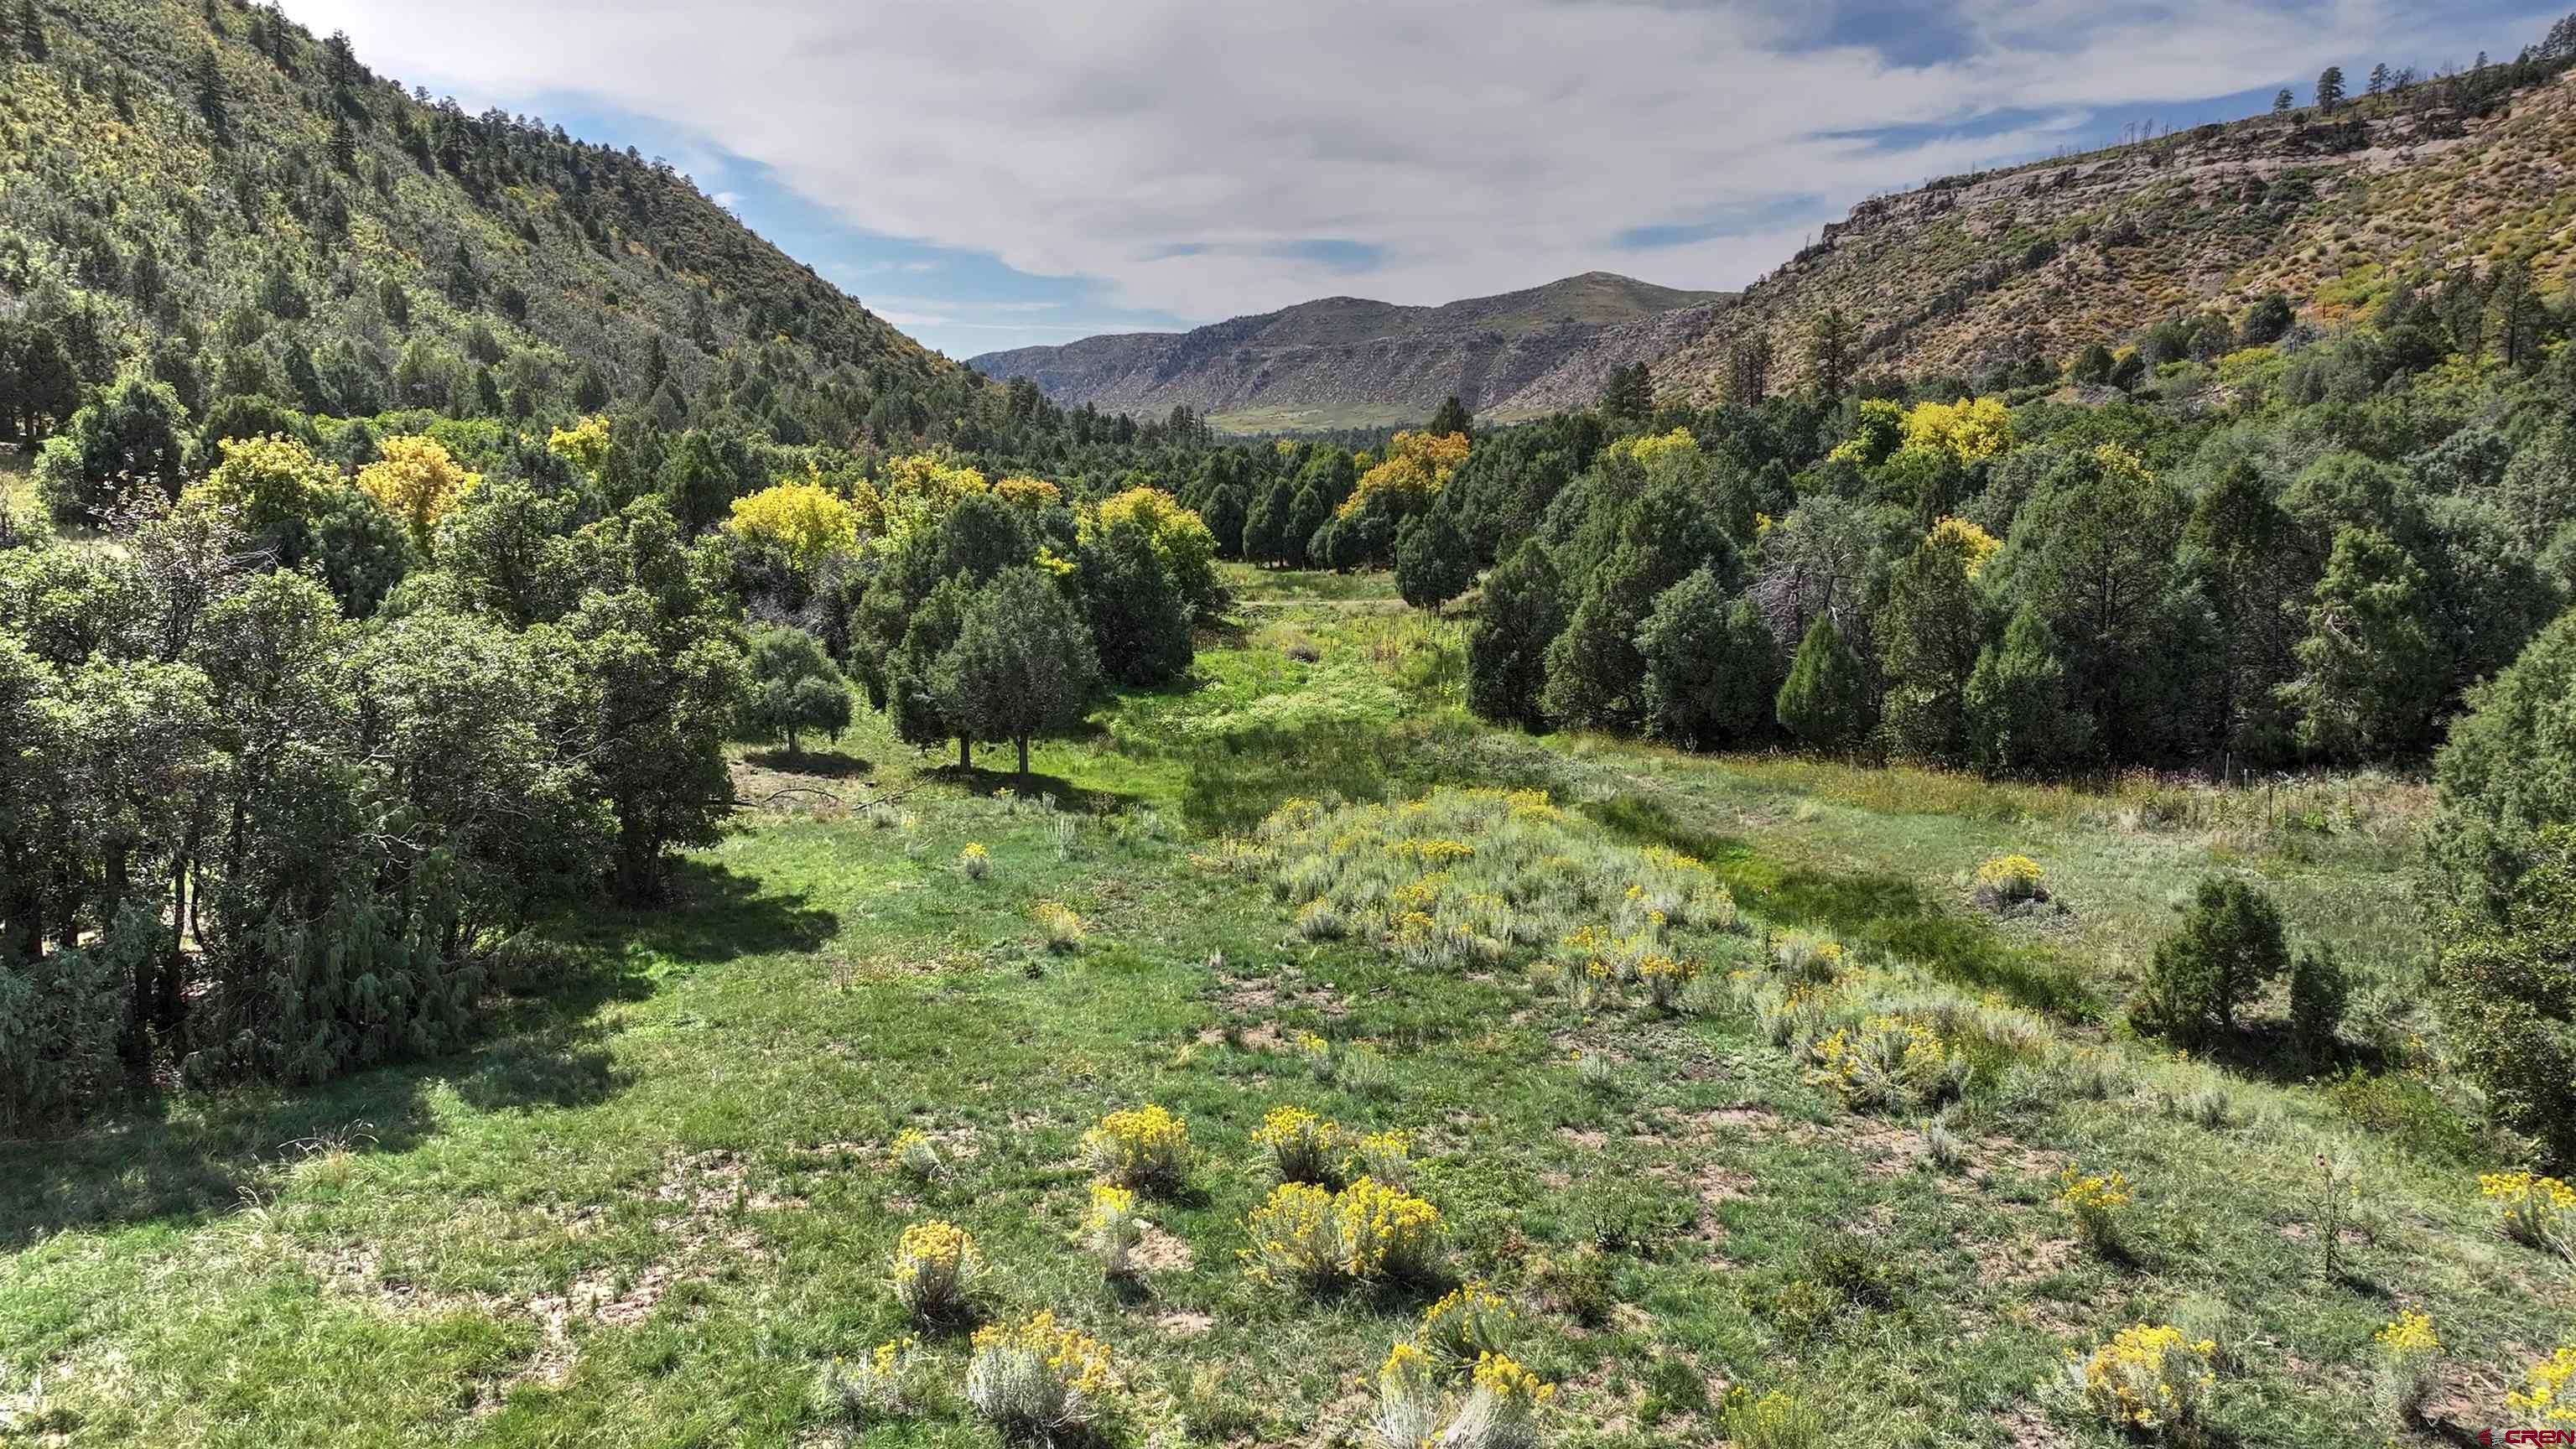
column 657, row 1196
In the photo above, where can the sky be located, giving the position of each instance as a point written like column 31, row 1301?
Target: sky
column 989, row 174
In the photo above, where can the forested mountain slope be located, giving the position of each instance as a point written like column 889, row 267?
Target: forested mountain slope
column 252, row 208
column 2327, row 206
column 1347, row 361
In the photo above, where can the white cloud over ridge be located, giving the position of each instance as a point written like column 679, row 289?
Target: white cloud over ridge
column 1211, row 159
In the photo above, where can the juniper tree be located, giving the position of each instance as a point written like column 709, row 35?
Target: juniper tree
column 1524, row 610
column 1824, row 701
column 1022, row 664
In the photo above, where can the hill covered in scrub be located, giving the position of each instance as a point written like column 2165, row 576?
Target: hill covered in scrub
column 1349, row 362
column 1974, row 276
column 252, row 209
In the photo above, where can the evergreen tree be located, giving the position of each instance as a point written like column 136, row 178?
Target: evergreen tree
column 793, row 688
column 210, row 95
column 1431, row 561
column 2018, row 719
column 1929, row 635
column 2229, row 948
column 1710, row 669
column 1266, row 536
column 344, row 145
column 2283, row 102
column 1452, row 417
column 1824, row 701
column 1022, row 664
column 2330, row 88
column 2378, row 80
column 2371, row 673
column 31, row 31
column 1630, row 394
column 1833, row 351
column 463, row 286
column 1140, row 618
column 1523, row 612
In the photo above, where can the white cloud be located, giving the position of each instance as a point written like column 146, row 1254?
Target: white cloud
column 1476, row 149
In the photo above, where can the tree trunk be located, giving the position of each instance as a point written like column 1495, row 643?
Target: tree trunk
column 1023, row 742
column 965, row 754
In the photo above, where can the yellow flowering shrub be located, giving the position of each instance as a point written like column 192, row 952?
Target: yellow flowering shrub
column 805, row 520
column 1302, row 1145
column 1664, row 977
column 975, row 860
column 1038, row 1380
column 2096, row 1203
column 417, row 482
column 935, row 1267
column 1113, row 1230
column 1773, row 1420
column 2537, row 1211
column 1879, row 432
column 877, row 1387
column 2409, row 1345
column 1146, row 1147
column 2149, row 1377
column 1887, row 1063
column 2008, row 879
column 1467, row 1324
column 916, row 1154
column 1499, row 1411
column 1368, row 1231
column 1057, row 922
column 2549, row 1394
column 1385, row 1156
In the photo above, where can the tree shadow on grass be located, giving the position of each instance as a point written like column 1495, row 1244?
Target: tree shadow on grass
column 176, row 1159
column 1873, row 910
column 826, row 764
column 1068, row 795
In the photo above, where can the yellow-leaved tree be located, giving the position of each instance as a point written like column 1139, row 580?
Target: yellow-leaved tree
column 911, row 495
column 584, row 445
column 1181, row 539
column 1417, row 466
column 1970, row 431
column 807, row 520
column 417, row 482
column 1975, row 545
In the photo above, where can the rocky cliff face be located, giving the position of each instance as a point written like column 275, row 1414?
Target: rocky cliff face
column 2048, row 258
column 1343, row 360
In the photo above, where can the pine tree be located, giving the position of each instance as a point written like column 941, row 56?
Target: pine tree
column 2330, row 88
column 2371, row 669
column 31, row 31
column 344, row 145
column 2283, row 102
column 1630, row 393
column 210, row 95
column 1833, row 351
column 1823, row 702
column 1452, row 418
column 463, row 285
column 2378, row 82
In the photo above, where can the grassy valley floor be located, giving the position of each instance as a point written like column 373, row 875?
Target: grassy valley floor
column 663, row 1193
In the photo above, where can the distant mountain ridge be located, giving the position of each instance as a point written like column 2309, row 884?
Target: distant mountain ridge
column 1348, row 360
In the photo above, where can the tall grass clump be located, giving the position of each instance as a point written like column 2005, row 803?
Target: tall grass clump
column 1474, row 878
